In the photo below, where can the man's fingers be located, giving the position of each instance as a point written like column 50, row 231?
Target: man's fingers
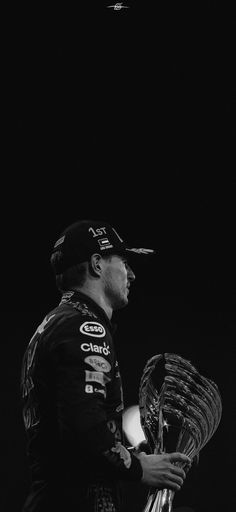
column 178, row 472
column 172, row 484
column 179, row 457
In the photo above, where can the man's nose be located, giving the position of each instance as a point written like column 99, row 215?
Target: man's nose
column 131, row 275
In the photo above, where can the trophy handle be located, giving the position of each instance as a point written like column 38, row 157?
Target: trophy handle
column 160, row 501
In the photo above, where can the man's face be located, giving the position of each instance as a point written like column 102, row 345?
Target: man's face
column 117, row 276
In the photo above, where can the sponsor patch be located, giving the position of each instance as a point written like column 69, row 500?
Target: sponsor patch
column 96, row 377
column 88, row 388
column 93, row 329
column 100, row 349
column 98, row 363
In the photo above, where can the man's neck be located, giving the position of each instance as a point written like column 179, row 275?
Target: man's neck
column 97, row 296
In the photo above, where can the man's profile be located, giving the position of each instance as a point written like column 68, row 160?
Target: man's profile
column 71, row 385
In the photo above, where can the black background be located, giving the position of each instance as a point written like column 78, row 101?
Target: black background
column 127, row 116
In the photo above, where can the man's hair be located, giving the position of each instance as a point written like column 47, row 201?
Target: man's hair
column 73, row 276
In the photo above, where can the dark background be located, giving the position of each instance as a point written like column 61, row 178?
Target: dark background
column 127, row 116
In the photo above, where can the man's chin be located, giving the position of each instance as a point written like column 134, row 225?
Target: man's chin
column 121, row 303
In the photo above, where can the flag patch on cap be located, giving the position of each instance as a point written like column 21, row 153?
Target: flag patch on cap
column 104, row 243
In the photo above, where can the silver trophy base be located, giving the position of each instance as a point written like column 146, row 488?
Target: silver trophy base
column 160, row 501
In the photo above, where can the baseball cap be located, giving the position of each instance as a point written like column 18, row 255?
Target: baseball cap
column 86, row 237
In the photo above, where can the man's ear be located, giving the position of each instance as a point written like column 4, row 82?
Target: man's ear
column 95, row 265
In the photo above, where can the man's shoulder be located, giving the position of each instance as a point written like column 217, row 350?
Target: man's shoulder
column 74, row 319
column 74, row 332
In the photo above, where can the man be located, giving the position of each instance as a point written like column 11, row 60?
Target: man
column 71, row 385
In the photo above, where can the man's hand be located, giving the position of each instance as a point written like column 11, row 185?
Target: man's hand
column 160, row 470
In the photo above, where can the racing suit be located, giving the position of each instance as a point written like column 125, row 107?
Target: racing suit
column 72, row 411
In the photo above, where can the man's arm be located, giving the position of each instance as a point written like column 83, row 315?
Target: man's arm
column 82, row 412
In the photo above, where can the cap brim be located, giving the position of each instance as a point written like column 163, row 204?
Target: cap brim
column 141, row 251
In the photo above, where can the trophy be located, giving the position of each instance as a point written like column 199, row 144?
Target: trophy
column 179, row 412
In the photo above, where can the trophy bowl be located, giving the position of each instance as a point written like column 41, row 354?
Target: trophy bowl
column 179, row 412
